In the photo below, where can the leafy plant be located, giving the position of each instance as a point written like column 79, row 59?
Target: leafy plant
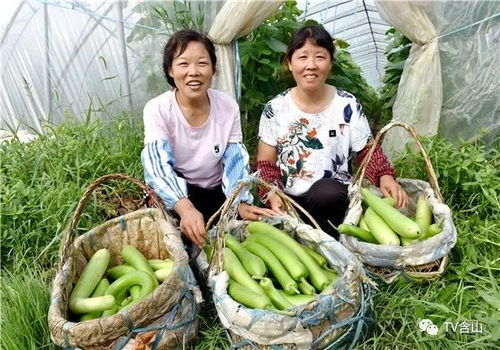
column 468, row 173
column 261, row 55
column 25, row 300
column 157, row 22
column 165, row 19
column 397, row 52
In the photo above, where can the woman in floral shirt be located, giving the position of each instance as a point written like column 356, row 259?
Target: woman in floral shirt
column 308, row 133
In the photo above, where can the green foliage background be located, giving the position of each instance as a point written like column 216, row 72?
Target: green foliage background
column 264, row 75
column 396, row 52
column 42, row 181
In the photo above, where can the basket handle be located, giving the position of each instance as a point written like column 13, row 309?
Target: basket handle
column 428, row 165
column 70, row 234
column 288, row 202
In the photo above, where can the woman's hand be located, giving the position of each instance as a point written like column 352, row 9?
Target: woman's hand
column 275, row 203
column 251, row 212
column 192, row 223
column 390, row 187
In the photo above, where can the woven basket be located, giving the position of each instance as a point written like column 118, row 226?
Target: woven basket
column 419, row 262
column 339, row 317
column 166, row 319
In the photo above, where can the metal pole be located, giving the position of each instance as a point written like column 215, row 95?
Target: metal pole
column 48, row 87
column 121, row 33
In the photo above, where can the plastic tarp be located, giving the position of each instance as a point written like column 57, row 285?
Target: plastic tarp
column 100, row 58
column 470, row 60
column 419, row 96
column 80, row 57
column 250, row 13
column 450, row 80
column 67, row 57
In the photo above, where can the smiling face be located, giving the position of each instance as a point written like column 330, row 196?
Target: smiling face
column 310, row 66
column 192, row 70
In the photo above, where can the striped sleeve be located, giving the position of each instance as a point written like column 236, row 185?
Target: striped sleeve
column 158, row 160
column 235, row 168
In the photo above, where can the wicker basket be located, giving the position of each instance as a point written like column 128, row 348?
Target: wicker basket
column 419, row 262
column 166, row 319
column 340, row 316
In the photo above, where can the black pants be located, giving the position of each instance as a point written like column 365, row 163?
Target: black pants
column 206, row 200
column 326, row 200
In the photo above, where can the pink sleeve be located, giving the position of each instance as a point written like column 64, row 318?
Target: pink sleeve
column 236, row 134
column 154, row 125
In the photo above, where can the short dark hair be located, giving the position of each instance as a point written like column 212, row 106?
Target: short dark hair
column 316, row 34
column 178, row 43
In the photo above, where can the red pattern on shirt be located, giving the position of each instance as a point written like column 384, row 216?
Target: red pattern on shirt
column 377, row 167
column 270, row 173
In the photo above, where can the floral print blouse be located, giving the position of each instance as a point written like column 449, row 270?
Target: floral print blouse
column 314, row 146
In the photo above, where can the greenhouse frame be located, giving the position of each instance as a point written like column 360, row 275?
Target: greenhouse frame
column 77, row 77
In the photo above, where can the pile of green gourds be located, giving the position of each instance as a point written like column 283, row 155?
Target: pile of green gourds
column 381, row 223
column 270, row 270
column 94, row 296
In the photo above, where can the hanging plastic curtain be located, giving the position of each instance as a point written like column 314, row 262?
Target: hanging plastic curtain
column 450, row 80
column 419, row 98
column 236, row 18
column 469, row 47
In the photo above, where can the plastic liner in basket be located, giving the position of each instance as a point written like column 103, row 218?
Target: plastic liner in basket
column 414, row 261
column 420, row 253
column 166, row 319
column 339, row 316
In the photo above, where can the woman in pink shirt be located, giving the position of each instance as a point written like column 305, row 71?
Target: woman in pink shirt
column 194, row 155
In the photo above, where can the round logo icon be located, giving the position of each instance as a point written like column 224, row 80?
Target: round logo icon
column 423, row 324
column 426, row 325
column 432, row 329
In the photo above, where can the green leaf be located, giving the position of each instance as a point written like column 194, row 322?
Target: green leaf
column 395, row 66
column 263, row 78
column 341, row 43
column 276, row 45
column 313, row 143
column 493, row 300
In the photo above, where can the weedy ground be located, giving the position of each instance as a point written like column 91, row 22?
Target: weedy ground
column 41, row 183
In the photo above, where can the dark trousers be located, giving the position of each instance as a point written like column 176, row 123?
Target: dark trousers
column 326, row 200
column 206, row 200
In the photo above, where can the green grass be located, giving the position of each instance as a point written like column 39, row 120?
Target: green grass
column 25, row 296
column 468, row 291
column 41, row 183
column 212, row 334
